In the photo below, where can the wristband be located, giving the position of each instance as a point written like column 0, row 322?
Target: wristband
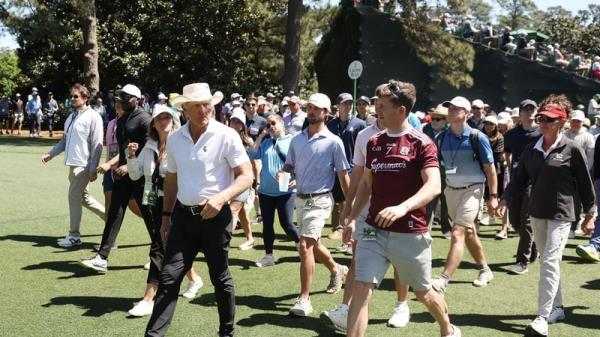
column 165, row 213
column 494, row 195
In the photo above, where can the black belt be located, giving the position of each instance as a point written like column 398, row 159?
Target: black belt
column 193, row 210
column 462, row 188
column 310, row 195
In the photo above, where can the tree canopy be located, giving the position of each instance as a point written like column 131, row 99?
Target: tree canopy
column 9, row 72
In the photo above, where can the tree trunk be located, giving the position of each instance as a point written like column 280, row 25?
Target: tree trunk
column 292, row 46
column 90, row 47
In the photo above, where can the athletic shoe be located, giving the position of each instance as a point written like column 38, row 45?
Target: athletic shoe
column 302, row 307
column 345, row 248
column 336, row 318
column 337, row 279
column 439, row 285
column 141, row 309
column 571, row 234
column 455, row 332
column 97, row 263
column 557, row 314
column 538, row 327
column 400, row 317
column 192, row 288
column 147, row 266
column 335, row 235
column 518, row 268
column 447, row 235
column 588, row 252
column 266, row 261
column 246, row 245
column 69, row 241
column 483, row 278
column 501, row 235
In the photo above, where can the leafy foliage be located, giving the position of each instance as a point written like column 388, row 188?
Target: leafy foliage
column 9, row 72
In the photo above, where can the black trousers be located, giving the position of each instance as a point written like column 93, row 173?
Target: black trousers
column 189, row 235
column 518, row 214
column 122, row 190
column 157, row 251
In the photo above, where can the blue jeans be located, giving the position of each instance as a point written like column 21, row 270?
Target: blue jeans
column 284, row 204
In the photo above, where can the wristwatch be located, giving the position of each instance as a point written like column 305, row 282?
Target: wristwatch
column 494, row 195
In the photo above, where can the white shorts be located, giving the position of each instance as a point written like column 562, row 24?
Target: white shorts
column 311, row 220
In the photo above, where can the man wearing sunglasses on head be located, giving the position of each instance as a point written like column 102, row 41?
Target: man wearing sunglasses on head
column 131, row 128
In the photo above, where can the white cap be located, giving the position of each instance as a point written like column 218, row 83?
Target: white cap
column 239, row 114
column 577, row 115
column 235, row 95
column 295, row 99
column 161, row 109
column 460, row 102
column 132, row 90
column 504, row 118
column 162, row 96
column 236, row 103
column 477, row 104
column 491, row 119
column 515, row 112
column 320, row 101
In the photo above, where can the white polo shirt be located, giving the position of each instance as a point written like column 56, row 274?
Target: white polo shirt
column 205, row 168
column 360, row 155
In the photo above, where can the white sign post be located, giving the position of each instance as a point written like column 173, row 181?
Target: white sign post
column 354, row 71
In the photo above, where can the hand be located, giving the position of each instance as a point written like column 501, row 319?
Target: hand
column 131, row 149
column 292, row 185
column 500, row 208
column 46, row 158
column 212, row 207
column 164, row 228
column 388, row 215
column 588, row 225
column 344, row 213
column 93, row 176
column 122, row 170
column 103, row 168
column 492, row 204
column 348, row 231
column 278, row 175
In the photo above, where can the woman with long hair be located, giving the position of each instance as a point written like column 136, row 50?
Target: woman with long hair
column 152, row 165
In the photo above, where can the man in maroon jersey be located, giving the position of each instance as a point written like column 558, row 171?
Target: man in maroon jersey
column 401, row 176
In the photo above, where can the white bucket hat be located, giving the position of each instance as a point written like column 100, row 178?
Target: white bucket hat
column 196, row 92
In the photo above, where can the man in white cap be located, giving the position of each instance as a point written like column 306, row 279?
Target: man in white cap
column 293, row 120
column 315, row 156
column 132, row 127
column 18, row 115
column 34, row 113
column 468, row 163
column 207, row 166
column 476, row 120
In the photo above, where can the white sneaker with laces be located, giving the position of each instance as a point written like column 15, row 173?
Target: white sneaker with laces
column 246, row 245
column 400, row 317
column 518, row 268
column 266, row 261
column 302, row 307
column 557, row 314
column 337, row 280
column 69, row 241
column 141, row 309
column 192, row 288
column 483, row 278
column 97, row 263
column 336, row 318
column 539, row 326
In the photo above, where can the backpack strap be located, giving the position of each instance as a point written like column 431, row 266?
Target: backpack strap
column 474, row 140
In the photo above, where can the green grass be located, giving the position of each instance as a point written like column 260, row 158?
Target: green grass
column 46, row 293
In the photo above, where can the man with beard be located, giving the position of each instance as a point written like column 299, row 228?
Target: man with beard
column 131, row 128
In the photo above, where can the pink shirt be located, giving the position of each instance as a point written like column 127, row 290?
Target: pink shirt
column 112, row 147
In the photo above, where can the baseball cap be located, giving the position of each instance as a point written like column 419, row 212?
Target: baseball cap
column 458, row 101
column 18, row 95
column 236, row 103
column 235, row 95
column 162, row 96
column 239, row 114
column 553, row 111
column 270, row 95
column 515, row 112
column 161, row 109
column 491, row 119
column 365, row 99
column 320, row 101
column 344, row 97
column 294, row 99
column 34, row 89
column 132, row 90
column 477, row 104
column 527, row 102
column 577, row 115
column 504, row 118
column 440, row 111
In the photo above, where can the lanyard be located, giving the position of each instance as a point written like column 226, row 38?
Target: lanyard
column 452, row 150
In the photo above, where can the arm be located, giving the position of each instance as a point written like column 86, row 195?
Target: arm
column 243, row 181
column 103, row 168
column 492, row 180
column 362, row 197
column 170, row 191
column 256, row 145
column 95, row 144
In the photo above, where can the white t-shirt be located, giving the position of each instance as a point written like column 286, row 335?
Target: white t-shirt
column 360, row 154
column 205, row 168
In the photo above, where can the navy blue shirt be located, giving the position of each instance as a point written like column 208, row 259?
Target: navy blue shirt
column 255, row 126
column 517, row 138
column 347, row 133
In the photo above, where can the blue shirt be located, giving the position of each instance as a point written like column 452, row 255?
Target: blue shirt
column 271, row 163
column 255, row 125
column 33, row 106
column 414, row 121
column 347, row 134
column 316, row 160
column 458, row 153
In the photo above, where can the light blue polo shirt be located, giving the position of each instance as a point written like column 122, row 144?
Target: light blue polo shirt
column 458, row 153
column 316, row 160
column 271, row 163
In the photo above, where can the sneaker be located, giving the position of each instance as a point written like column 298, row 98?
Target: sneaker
column 439, row 285
column 246, row 245
column 336, row 318
column 455, row 332
column 588, row 252
column 266, row 261
column 501, row 235
column 557, row 314
column 518, row 268
column 335, row 235
column 483, row 278
column 400, row 317
column 193, row 288
column 539, row 327
column 141, row 309
column 97, row 263
column 337, row 279
column 302, row 307
column 345, row 248
column 447, row 235
column 147, row 266
column 571, row 234
column 69, row 241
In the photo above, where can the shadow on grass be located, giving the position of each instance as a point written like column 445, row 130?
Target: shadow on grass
column 286, row 321
column 74, row 268
column 26, row 141
column 44, row 241
column 95, row 306
column 592, row 285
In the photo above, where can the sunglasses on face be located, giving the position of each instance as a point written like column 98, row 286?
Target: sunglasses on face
column 250, row 104
column 544, row 119
column 437, row 119
column 75, row 96
column 125, row 97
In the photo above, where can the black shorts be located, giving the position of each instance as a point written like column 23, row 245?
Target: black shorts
column 338, row 194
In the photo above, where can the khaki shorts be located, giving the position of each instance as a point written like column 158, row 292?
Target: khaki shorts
column 463, row 205
column 409, row 253
column 312, row 220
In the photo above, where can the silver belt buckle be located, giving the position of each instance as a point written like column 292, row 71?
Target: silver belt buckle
column 195, row 210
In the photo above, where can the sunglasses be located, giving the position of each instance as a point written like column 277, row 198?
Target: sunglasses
column 544, row 119
column 437, row 119
column 248, row 104
column 75, row 96
column 394, row 89
column 125, row 97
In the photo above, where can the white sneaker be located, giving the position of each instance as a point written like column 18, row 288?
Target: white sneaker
column 400, row 317
column 141, row 309
column 302, row 307
column 147, row 266
column 337, row 280
column 455, row 332
column 345, row 248
column 538, row 326
column 571, row 234
column 69, row 241
column 557, row 314
column 483, row 278
column 246, row 245
column 447, row 235
column 336, row 318
column 266, row 261
column 192, row 288
column 518, row 268
column 97, row 263
column 439, row 285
